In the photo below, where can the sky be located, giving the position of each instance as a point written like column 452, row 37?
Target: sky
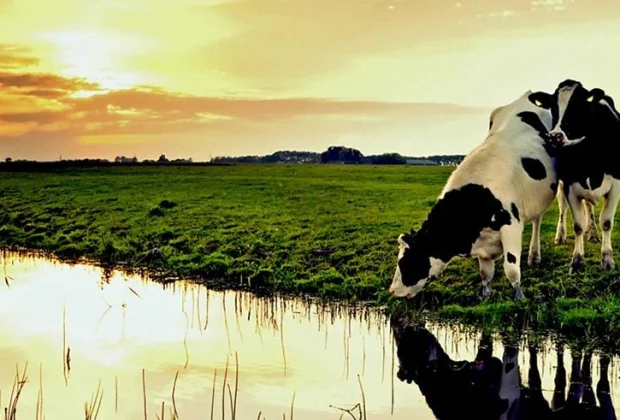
column 205, row 78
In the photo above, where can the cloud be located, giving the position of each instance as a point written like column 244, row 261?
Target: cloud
column 14, row 57
column 284, row 44
column 33, row 103
column 44, row 85
column 43, row 115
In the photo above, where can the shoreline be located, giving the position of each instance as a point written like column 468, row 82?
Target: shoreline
column 326, row 233
column 504, row 317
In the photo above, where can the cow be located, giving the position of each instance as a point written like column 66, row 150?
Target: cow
column 488, row 388
column 507, row 181
column 587, row 124
column 452, row 388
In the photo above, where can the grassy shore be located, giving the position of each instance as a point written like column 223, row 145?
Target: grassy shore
column 324, row 230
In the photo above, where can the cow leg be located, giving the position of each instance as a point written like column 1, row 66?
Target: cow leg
column 591, row 233
column 560, row 232
column 533, row 257
column 511, row 236
column 579, row 218
column 607, row 223
column 603, row 389
column 487, row 271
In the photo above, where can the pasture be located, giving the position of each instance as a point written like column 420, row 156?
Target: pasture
column 319, row 230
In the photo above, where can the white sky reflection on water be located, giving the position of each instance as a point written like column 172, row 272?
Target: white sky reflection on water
column 114, row 333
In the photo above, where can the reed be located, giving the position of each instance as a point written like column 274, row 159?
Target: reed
column 174, row 388
column 144, row 394
column 292, row 405
column 91, row 411
column 39, row 409
column 234, row 413
column 232, row 410
column 224, row 390
column 10, row 412
column 282, row 339
column 213, row 393
column 359, row 381
column 64, row 343
column 393, row 357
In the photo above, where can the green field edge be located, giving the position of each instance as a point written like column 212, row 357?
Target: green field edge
column 322, row 231
column 579, row 323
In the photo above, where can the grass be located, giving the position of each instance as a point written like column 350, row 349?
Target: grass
column 323, row 230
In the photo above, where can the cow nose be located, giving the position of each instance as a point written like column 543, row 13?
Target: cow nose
column 559, row 137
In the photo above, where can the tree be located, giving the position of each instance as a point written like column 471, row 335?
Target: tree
column 8, row 160
column 341, row 154
column 162, row 158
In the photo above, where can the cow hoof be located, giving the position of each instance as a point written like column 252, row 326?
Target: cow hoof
column 594, row 239
column 560, row 240
column 608, row 262
column 533, row 259
column 519, row 293
column 577, row 265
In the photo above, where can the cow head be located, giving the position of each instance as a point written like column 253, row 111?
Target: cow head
column 452, row 389
column 532, row 108
column 414, row 267
column 573, row 109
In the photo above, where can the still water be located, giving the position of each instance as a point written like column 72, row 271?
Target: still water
column 75, row 329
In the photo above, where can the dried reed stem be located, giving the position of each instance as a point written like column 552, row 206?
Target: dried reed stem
column 64, row 342
column 16, row 390
column 359, row 381
column 282, row 339
column 292, row 405
column 144, row 394
column 91, row 411
column 234, row 413
column 39, row 414
column 232, row 410
column 174, row 387
column 392, row 407
column 224, row 389
column 213, row 393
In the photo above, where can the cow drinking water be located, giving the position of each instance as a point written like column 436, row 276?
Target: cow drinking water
column 509, row 180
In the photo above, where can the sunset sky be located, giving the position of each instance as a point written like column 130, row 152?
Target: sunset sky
column 201, row 78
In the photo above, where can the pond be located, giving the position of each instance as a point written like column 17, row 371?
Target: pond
column 84, row 338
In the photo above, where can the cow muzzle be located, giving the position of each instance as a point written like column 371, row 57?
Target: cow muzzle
column 559, row 137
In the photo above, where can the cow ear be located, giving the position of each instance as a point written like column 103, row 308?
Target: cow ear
column 540, row 99
column 596, row 95
column 407, row 239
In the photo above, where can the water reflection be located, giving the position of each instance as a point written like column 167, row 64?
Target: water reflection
column 83, row 334
column 489, row 388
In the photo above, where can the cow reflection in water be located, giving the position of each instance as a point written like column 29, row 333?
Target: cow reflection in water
column 490, row 389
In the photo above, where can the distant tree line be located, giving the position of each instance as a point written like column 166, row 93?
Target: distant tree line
column 342, row 155
column 333, row 155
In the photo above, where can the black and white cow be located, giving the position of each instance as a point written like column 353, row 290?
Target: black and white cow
column 509, row 180
column 487, row 388
column 587, row 122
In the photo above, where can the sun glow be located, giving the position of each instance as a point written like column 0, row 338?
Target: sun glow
column 96, row 57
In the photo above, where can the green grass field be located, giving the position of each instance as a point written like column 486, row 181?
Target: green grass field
column 322, row 230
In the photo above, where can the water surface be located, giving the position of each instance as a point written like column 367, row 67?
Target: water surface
column 78, row 327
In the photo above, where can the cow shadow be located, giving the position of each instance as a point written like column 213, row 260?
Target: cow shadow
column 488, row 388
